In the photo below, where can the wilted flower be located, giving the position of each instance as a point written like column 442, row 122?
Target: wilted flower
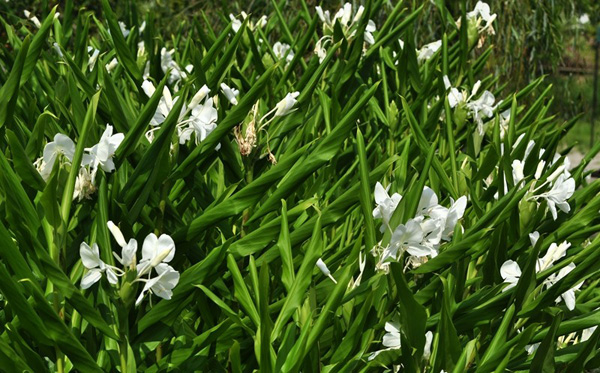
column 90, row 257
column 84, row 184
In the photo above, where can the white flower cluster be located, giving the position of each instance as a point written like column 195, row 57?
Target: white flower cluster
column 478, row 109
column 392, row 340
column 511, row 272
column 283, row 51
column 156, row 253
column 169, row 65
column 427, row 51
column 98, row 156
column 422, row 235
column 237, row 23
column 562, row 185
column 201, row 121
column 483, row 18
column 348, row 19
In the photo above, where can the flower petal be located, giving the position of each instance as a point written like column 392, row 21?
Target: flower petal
column 90, row 278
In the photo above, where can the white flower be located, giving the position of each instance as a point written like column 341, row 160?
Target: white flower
column 165, row 105
column 348, row 20
column 369, row 30
column 90, row 257
column 199, row 96
column 584, row 19
column 286, row 105
column 517, row 171
column 103, row 152
column 391, row 339
column 124, row 29
column 408, row 237
column 587, row 333
column 202, row 122
column 141, row 49
column 510, row 272
column 323, row 267
column 568, row 296
column 428, row 342
column 320, row 48
column 428, row 50
column 57, row 50
column 386, row 205
column 449, row 216
column 230, row 93
column 62, row 144
column 362, row 261
column 93, row 57
column 482, row 13
column 482, row 108
column 161, row 285
column 128, row 250
column 532, row 348
column 561, row 191
column 112, row 65
column 32, row 18
column 167, row 62
column 428, row 201
column 236, row 23
column 283, row 50
column 155, row 250
column 554, row 253
column 534, row 237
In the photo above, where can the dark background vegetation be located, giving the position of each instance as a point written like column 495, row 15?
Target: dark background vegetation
column 533, row 37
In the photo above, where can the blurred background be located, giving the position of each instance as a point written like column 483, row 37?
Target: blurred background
column 552, row 38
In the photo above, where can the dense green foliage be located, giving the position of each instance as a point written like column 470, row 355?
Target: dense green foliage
column 272, row 199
